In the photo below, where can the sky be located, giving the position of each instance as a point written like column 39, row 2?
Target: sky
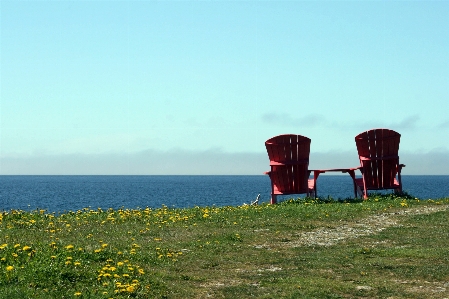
column 197, row 87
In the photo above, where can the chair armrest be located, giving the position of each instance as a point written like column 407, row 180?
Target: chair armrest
column 296, row 162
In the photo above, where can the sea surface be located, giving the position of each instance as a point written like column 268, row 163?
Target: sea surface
column 72, row 193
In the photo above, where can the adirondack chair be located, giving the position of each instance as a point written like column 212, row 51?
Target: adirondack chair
column 289, row 162
column 379, row 161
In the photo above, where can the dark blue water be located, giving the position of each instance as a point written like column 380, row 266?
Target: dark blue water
column 71, row 193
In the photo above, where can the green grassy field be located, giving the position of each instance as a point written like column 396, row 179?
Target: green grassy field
column 385, row 247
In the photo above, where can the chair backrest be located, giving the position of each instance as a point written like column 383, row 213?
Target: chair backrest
column 289, row 161
column 378, row 153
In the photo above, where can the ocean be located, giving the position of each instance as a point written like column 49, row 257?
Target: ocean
column 72, row 193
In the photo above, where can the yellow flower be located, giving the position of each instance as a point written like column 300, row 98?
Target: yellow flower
column 78, row 294
column 68, row 247
column 17, row 245
column 3, row 246
column 130, row 289
column 25, row 248
column 120, row 264
column 9, row 268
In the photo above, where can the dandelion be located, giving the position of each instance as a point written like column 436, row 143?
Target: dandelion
column 26, row 248
column 78, row 294
column 69, row 247
column 9, row 268
column 16, row 246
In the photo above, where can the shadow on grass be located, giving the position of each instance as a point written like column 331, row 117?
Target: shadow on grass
column 330, row 199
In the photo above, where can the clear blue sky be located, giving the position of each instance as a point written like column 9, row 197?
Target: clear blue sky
column 196, row 87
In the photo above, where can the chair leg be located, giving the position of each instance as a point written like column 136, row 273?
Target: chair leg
column 365, row 194
column 398, row 191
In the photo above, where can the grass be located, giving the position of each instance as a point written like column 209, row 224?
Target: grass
column 379, row 248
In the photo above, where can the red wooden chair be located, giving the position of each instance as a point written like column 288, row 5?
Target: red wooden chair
column 289, row 161
column 379, row 161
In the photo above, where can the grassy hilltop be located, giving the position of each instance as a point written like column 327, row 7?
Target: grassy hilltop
column 385, row 247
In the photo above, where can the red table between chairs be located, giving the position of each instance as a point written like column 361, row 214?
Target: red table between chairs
column 350, row 171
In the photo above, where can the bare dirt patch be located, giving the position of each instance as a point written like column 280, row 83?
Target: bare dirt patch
column 367, row 226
